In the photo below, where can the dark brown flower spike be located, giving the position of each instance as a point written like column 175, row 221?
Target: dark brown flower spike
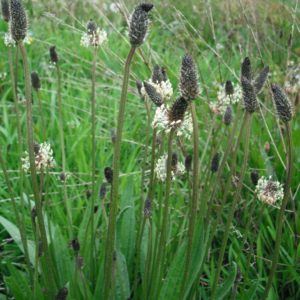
column 249, row 96
column 282, row 102
column 153, row 94
column 18, row 20
column 157, row 75
column 108, row 173
column 260, row 80
column 53, row 55
column 91, row 27
column 227, row 118
column 229, row 90
column 178, row 109
column 246, row 71
column 139, row 24
column 189, row 79
column 215, row 163
column 5, row 10
column 35, row 81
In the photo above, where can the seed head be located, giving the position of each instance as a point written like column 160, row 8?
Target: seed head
column 62, row 294
column 282, row 102
column 53, row 55
column 35, row 81
column 249, row 96
column 5, row 10
column 189, row 79
column 229, row 90
column 153, row 94
column 18, row 20
column 147, row 208
column 157, row 75
column 102, row 192
column 108, row 173
column 254, row 177
column 91, row 27
column 246, row 69
column 215, row 163
column 260, row 80
column 227, row 118
column 139, row 24
column 188, row 162
column 178, row 110
column 174, row 161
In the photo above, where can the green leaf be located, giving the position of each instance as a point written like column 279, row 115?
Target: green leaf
column 14, row 232
column 223, row 290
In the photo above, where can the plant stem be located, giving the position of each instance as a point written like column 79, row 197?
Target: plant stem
column 41, row 114
column 194, row 202
column 63, row 153
column 110, row 241
column 38, row 203
column 280, row 216
column 159, row 260
column 93, row 154
column 248, row 118
column 20, row 148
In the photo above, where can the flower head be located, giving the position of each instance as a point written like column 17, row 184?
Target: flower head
column 227, row 94
column 159, row 84
column 35, row 81
column 282, row 102
column 292, row 83
column 139, row 22
column 189, row 79
column 269, row 191
column 94, row 37
column 5, row 10
column 53, row 55
column 43, row 158
column 164, row 120
column 18, row 20
column 161, row 168
column 249, row 95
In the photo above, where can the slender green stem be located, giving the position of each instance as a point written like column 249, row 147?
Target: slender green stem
column 63, row 150
column 41, row 114
column 110, row 241
column 193, row 202
column 280, row 216
column 93, row 154
column 38, row 202
column 248, row 118
column 20, row 148
column 159, row 260
column 146, row 284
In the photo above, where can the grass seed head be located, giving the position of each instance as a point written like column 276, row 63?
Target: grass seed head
column 5, row 10
column 35, row 81
column 189, row 79
column 18, row 20
column 139, row 22
column 282, row 102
